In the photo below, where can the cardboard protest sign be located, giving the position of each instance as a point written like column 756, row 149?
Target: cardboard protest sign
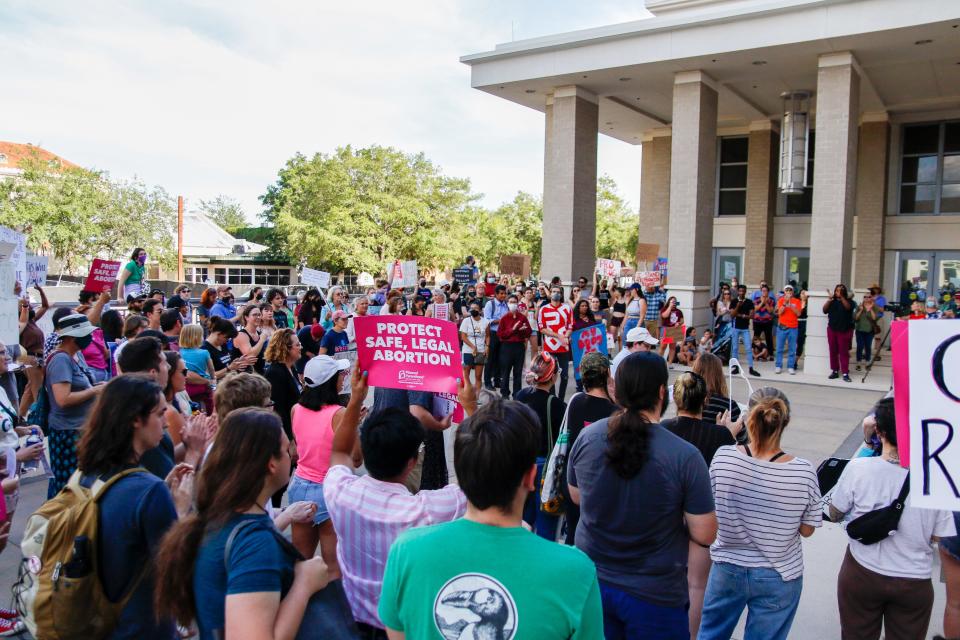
column 315, row 278
column 103, row 273
column 408, row 352
column 36, row 271
column 9, row 305
column 515, row 264
column 649, row 278
column 899, row 336
column 647, row 253
column 462, row 275
column 934, row 348
column 19, row 252
column 609, row 268
column 587, row 340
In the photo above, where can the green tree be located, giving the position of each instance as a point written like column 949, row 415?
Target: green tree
column 355, row 209
column 78, row 214
column 513, row 227
column 225, row 211
column 618, row 226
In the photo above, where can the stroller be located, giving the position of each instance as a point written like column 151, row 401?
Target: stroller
column 722, row 341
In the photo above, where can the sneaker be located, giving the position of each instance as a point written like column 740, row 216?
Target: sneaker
column 833, row 375
column 778, row 370
column 792, row 372
column 735, row 370
column 8, row 614
column 846, row 377
column 11, row 627
column 754, row 372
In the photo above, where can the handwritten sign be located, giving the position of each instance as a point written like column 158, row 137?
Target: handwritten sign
column 649, row 278
column 315, row 278
column 934, row 347
column 587, row 340
column 647, row 253
column 6, row 251
column 609, row 268
column 19, row 252
column 103, row 273
column 402, row 273
column 516, row 264
column 408, row 352
column 36, row 271
column 365, row 279
column 9, row 305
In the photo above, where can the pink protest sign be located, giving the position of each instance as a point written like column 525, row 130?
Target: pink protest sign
column 901, row 387
column 408, row 352
column 103, row 273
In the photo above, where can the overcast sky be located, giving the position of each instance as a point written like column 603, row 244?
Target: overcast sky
column 205, row 98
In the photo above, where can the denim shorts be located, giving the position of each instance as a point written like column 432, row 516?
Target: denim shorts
column 470, row 360
column 300, row 490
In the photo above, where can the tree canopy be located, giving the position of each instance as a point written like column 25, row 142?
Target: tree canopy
column 78, row 214
column 356, row 209
column 225, row 211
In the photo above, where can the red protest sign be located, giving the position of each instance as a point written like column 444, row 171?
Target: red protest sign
column 103, row 273
column 408, row 352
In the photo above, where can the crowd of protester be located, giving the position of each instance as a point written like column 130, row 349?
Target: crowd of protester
column 215, row 427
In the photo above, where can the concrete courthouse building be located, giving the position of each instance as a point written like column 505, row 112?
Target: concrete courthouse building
column 812, row 141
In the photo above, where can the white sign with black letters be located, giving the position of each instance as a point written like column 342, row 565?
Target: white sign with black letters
column 935, row 414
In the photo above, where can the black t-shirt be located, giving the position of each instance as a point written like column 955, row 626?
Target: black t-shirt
column 745, row 307
column 704, row 436
column 310, row 346
column 839, row 318
column 717, row 404
column 537, row 400
column 584, row 411
column 221, row 357
column 604, row 296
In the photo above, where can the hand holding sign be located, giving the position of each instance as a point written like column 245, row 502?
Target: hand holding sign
column 408, row 352
column 103, row 273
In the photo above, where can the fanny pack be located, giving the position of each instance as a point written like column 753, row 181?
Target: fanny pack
column 878, row 524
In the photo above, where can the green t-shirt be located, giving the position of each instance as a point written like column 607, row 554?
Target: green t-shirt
column 136, row 273
column 502, row 582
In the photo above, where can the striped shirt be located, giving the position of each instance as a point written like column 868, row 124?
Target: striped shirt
column 760, row 507
column 716, row 405
column 368, row 515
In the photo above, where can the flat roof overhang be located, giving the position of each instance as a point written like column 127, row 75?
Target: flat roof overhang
column 908, row 52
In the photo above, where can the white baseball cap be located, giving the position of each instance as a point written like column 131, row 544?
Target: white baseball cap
column 319, row 369
column 640, row 334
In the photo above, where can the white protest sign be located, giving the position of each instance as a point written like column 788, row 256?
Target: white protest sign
column 402, row 273
column 365, row 279
column 609, row 268
column 19, row 252
column 6, row 250
column 9, row 306
column 935, row 414
column 36, row 271
column 314, row 277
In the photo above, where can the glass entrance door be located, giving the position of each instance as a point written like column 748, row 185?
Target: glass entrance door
column 928, row 274
column 797, row 268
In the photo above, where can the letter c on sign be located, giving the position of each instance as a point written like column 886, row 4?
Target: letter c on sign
column 939, row 355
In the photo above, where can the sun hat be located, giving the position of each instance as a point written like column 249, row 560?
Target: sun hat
column 640, row 334
column 75, row 325
column 319, row 369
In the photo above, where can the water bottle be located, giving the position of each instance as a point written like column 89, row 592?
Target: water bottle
column 32, row 439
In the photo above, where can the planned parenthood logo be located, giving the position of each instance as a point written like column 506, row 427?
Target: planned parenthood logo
column 410, row 377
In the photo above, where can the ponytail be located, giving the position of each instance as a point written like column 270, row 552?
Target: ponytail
column 628, row 442
column 174, row 564
column 766, row 421
column 641, row 379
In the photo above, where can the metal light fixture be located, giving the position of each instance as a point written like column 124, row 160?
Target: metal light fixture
column 794, row 141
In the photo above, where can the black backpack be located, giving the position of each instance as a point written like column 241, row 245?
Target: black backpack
column 877, row 525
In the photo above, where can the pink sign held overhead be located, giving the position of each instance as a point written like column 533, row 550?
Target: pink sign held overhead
column 408, row 352
column 900, row 351
column 103, row 273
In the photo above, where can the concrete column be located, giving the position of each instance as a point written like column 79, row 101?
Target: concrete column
column 655, row 190
column 761, row 203
column 570, row 185
column 693, row 184
column 834, row 195
column 871, row 193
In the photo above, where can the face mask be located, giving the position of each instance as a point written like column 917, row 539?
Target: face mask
column 142, row 259
column 491, row 280
column 512, row 306
column 472, row 294
column 84, row 342
column 556, row 297
column 475, row 313
column 371, row 298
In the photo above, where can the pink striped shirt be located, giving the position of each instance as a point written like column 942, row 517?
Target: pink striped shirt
column 368, row 515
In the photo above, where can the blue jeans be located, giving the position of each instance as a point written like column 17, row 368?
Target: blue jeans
column 771, row 603
column 784, row 336
column 628, row 618
column 741, row 335
column 864, row 346
column 543, row 524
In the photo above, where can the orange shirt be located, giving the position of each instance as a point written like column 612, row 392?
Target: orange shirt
column 789, row 312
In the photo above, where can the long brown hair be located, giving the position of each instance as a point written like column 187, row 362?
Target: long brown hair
column 766, row 421
column 230, row 482
column 107, row 441
column 710, row 368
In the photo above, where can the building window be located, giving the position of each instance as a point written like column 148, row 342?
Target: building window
column 930, row 169
column 198, row 275
column 220, row 275
column 732, row 178
column 802, row 203
column 3, row 159
column 272, row 277
column 239, row 276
